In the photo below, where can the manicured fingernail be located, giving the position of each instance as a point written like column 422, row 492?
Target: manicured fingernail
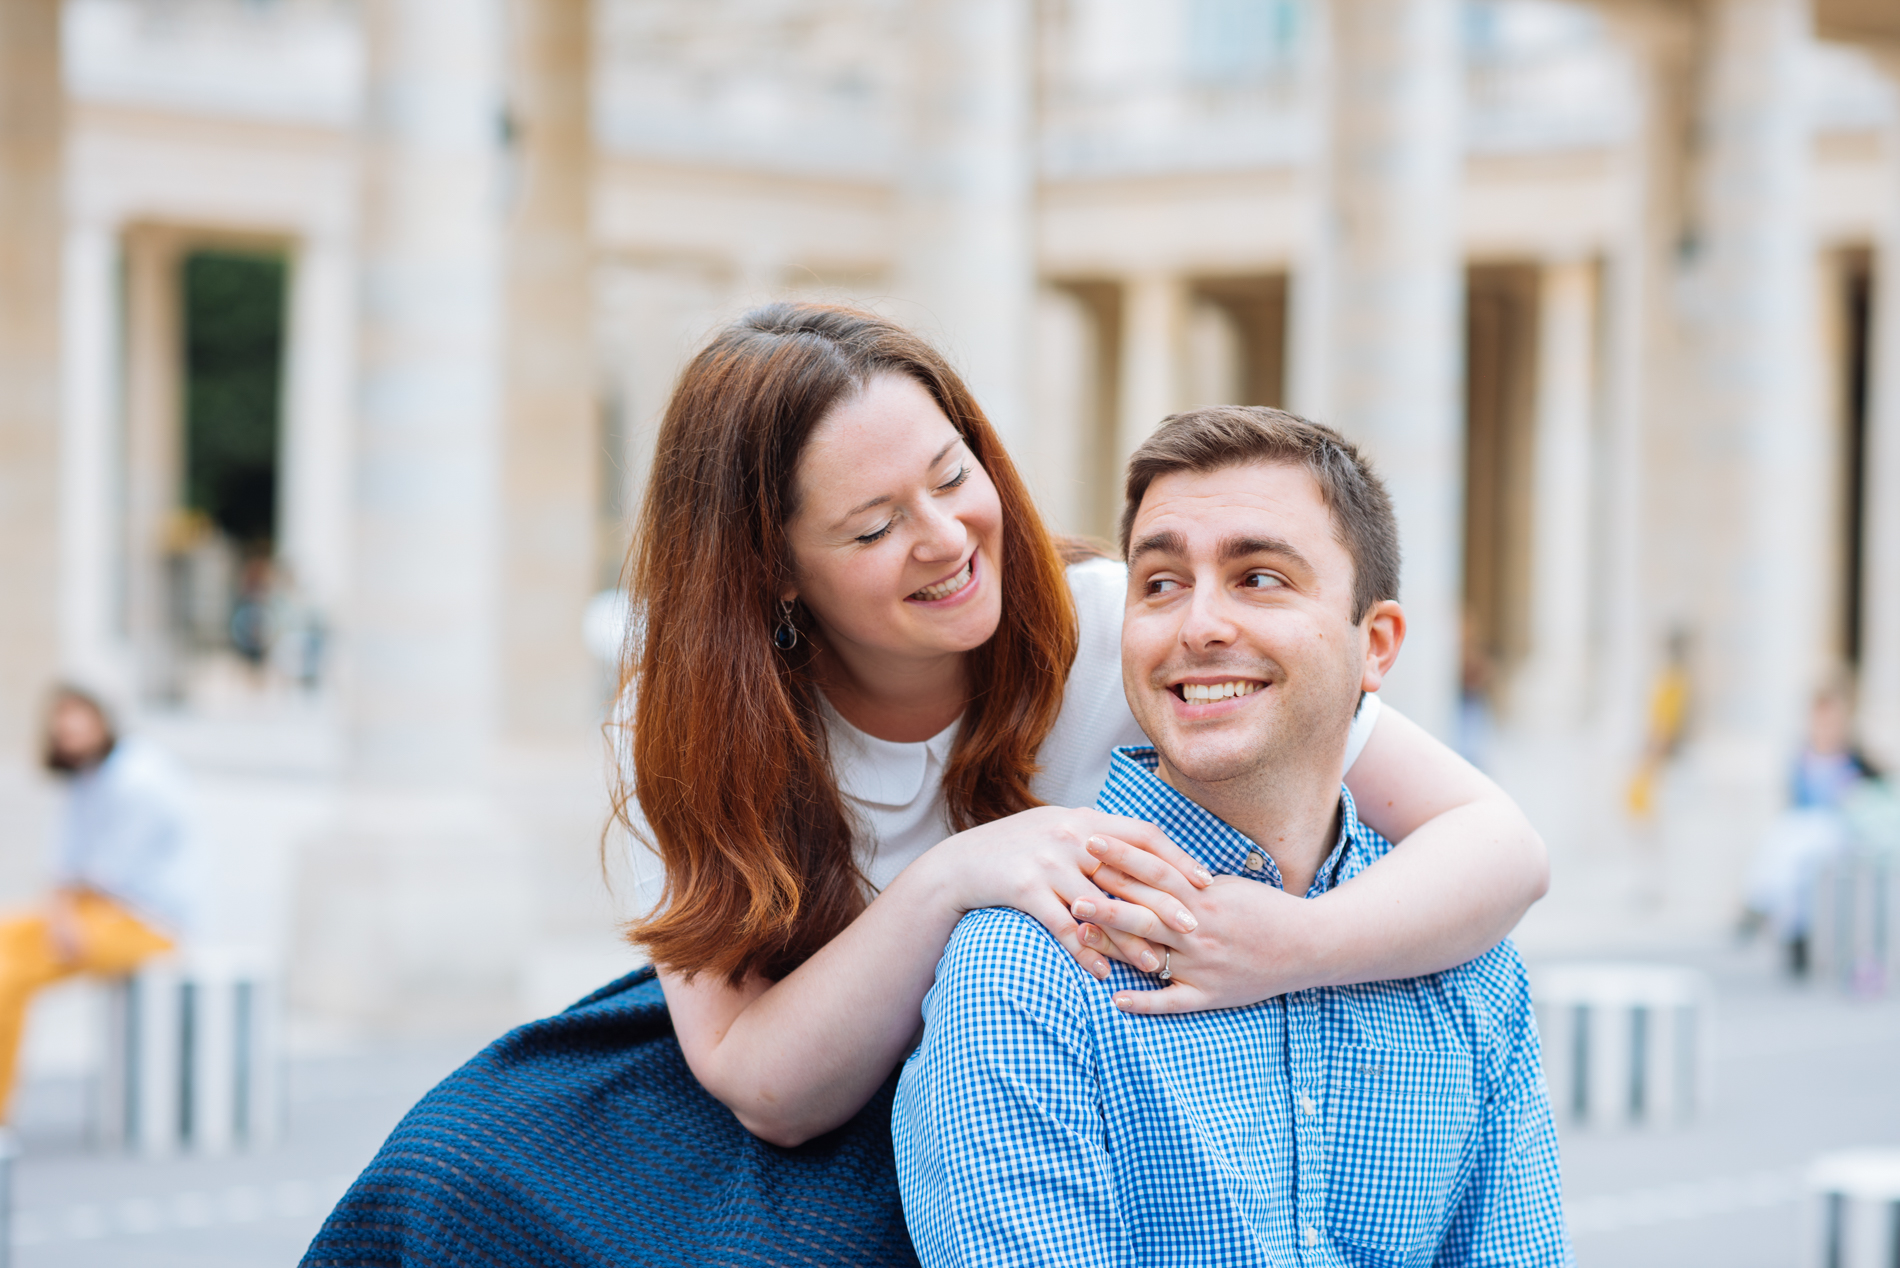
column 1185, row 919
column 1097, row 845
column 1149, row 962
column 1204, row 876
column 1121, row 1002
column 1101, row 969
column 1083, row 908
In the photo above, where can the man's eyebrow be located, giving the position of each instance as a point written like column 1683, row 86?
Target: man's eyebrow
column 881, row 499
column 1168, row 542
column 1240, row 547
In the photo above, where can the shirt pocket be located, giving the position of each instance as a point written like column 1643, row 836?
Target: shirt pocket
column 1397, row 1123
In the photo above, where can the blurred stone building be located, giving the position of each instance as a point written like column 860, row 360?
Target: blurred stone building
column 1604, row 286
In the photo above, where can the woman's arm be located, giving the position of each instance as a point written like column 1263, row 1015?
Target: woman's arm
column 1467, row 866
column 796, row 1058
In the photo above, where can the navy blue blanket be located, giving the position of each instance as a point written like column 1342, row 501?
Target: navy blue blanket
column 584, row 1139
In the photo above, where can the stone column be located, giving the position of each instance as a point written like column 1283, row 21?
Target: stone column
column 318, row 409
column 1880, row 631
column 549, row 483
column 154, row 449
column 92, row 546
column 1392, row 283
column 414, row 910
column 1760, row 461
column 966, row 265
column 1154, row 314
column 32, row 131
column 421, row 624
column 1551, row 688
column 1642, row 354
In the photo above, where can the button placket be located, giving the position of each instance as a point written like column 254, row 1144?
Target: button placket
column 1303, row 1035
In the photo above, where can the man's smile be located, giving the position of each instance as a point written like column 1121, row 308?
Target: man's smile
column 1213, row 695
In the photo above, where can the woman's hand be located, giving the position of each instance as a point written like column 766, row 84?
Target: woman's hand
column 1241, row 936
column 1041, row 862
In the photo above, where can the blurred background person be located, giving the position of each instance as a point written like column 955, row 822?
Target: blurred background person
column 1668, row 727
column 121, row 893
column 1829, row 773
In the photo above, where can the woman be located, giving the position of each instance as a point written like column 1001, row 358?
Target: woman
column 868, row 697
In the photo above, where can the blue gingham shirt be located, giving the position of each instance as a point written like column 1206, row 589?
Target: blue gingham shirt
column 1393, row 1123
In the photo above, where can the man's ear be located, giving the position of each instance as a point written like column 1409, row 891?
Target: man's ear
column 1384, row 625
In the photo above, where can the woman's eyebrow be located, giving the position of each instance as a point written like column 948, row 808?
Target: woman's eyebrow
column 881, row 499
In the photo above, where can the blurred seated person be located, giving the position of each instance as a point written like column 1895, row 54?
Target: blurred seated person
column 1828, row 773
column 119, row 892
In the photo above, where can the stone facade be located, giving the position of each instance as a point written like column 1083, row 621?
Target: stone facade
column 1580, row 276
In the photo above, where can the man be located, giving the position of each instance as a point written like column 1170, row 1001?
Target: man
column 120, row 874
column 1393, row 1123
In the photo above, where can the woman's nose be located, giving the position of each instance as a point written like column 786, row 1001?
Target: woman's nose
column 940, row 535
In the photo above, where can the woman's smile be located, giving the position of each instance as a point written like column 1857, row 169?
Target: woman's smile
column 959, row 585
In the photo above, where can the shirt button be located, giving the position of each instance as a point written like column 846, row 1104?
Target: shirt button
column 1306, row 1105
column 1311, row 1236
column 1255, row 862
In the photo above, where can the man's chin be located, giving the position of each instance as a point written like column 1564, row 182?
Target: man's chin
column 1194, row 759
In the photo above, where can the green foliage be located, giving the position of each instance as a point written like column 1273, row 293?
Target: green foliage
column 234, row 354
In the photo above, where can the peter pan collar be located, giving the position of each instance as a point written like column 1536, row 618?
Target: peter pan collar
column 883, row 772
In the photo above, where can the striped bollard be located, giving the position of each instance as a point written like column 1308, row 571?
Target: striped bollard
column 192, row 1055
column 1854, row 1209
column 1624, row 1045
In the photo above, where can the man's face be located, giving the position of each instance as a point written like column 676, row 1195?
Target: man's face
column 1239, row 652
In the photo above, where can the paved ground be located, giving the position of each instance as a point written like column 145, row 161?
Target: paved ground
column 1797, row 1072
column 76, row 1208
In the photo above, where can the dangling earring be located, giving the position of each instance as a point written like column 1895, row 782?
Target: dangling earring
column 785, row 637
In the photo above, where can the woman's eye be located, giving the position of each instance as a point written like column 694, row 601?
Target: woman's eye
column 877, row 534
column 963, row 473
column 1262, row 581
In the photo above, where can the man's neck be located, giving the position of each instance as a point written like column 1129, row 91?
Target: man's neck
column 1291, row 814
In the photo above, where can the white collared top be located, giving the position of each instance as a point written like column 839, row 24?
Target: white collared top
column 895, row 790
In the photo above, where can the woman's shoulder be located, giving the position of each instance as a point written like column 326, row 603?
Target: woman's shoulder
column 1100, row 586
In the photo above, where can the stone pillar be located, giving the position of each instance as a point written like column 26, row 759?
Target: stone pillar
column 1391, row 277
column 966, row 229
column 92, row 545
column 1880, row 631
column 421, row 624
column 549, row 483
column 32, row 203
column 1641, row 355
column 318, row 409
column 414, row 910
column 1552, row 687
column 154, row 450
column 1154, row 314
column 1760, row 460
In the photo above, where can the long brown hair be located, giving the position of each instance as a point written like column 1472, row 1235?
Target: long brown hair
column 730, row 765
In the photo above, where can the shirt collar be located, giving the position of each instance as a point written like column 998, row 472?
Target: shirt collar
column 883, row 772
column 1136, row 791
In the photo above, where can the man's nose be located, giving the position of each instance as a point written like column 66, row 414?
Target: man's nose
column 1207, row 622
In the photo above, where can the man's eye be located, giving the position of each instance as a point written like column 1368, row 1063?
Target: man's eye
column 1262, row 581
column 1161, row 585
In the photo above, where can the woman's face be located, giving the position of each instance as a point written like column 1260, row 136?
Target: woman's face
column 897, row 542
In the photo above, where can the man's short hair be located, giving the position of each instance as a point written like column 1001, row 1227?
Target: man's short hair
column 1222, row 436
